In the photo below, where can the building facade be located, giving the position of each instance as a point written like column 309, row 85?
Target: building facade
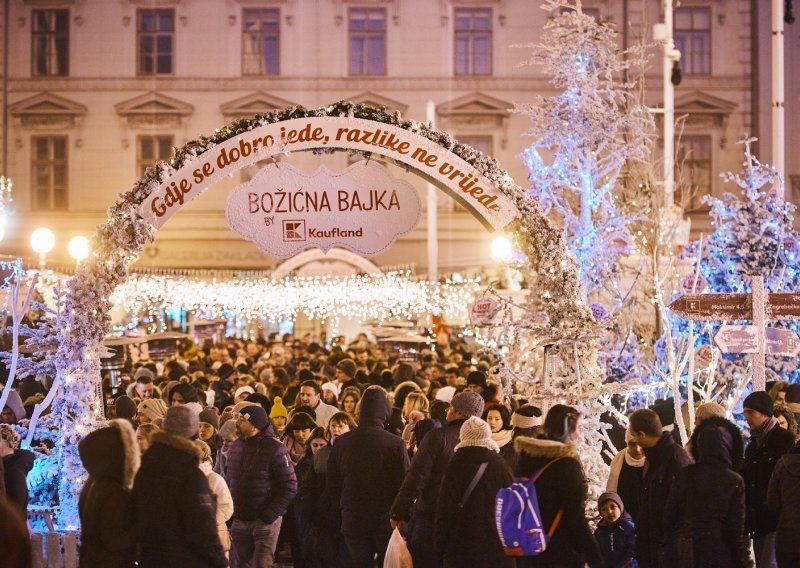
column 95, row 91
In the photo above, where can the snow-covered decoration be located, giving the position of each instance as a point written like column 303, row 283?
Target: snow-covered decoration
column 119, row 241
column 359, row 298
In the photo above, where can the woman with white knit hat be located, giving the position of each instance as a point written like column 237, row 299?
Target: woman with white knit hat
column 465, row 525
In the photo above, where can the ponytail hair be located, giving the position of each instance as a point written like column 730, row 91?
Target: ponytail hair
column 560, row 423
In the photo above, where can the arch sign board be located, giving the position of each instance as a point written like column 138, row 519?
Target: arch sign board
column 452, row 173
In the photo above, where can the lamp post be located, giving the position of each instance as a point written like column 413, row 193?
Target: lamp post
column 78, row 248
column 42, row 241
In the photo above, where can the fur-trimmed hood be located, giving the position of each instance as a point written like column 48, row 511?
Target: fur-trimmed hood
column 180, row 443
column 549, row 449
column 111, row 452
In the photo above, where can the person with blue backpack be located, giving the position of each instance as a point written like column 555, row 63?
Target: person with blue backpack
column 551, row 476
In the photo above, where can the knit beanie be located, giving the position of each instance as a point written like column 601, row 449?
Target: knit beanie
column 331, row 387
column 476, row 433
column 709, row 410
column 256, row 415
column 611, row 496
column 154, row 408
column 278, row 409
column 347, row 366
column 468, row 403
column 446, row 394
column 204, row 450
column 210, row 416
column 759, row 401
column 242, row 390
column 227, row 431
column 125, row 407
column 182, row 421
column 143, row 372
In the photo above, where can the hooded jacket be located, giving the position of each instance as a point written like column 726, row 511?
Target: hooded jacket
column 561, row 486
column 108, row 533
column 707, row 500
column 783, row 498
column 366, row 468
column 175, row 510
column 261, row 477
column 14, row 402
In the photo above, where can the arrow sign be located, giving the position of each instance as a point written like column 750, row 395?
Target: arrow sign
column 782, row 342
column 721, row 307
column 783, row 306
column 737, row 338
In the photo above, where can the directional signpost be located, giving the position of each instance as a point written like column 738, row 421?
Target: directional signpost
column 756, row 339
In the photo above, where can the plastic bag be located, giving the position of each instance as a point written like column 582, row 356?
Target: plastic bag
column 397, row 554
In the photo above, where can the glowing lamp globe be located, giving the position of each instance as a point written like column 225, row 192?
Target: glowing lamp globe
column 78, row 248
column 502, row 249
column 43, row 240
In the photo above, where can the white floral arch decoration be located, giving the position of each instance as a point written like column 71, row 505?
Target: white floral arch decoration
column 121, row 239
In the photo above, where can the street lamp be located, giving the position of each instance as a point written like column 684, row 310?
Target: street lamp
column 78, row 248
column 42, row 241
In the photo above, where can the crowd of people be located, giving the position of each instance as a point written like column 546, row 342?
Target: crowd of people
column 248, row 451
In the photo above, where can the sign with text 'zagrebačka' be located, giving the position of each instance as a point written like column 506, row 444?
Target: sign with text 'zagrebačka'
column 284, row 210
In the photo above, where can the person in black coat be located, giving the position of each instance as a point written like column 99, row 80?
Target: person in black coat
column 365, row 470
column 768, row 443
column 656, row 541
column 466, row 534
column 783, row 497
column 175, row 509
column 560, row 488
column 108, row 533
column 16, row 465
column 707, row 501
column 420, row 489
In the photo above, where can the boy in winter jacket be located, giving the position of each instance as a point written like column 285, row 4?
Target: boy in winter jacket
column 615, row 533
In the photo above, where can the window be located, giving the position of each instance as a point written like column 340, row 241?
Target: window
column 49, row 173
column 367, row 41
column 50, row 42
column 261, row 41
column 692, row 33
column 473, row 39
column 151, row 149
column 155, row 35
column 482, row 144
column 693, row 159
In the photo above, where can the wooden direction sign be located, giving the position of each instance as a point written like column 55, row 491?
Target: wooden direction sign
column 734, row 307
column 744, row 339
column 782, row 342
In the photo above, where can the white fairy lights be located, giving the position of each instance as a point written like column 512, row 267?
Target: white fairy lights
column 362, row 298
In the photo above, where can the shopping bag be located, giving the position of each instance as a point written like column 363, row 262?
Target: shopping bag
column 397, row 554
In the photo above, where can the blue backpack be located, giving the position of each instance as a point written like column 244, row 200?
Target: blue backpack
column 519, row 523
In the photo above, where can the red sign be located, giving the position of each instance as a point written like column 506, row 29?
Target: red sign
column 483, row 310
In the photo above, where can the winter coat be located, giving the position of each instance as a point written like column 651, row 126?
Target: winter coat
column 656, row 542
column 17, row 466
column 421, row 486
column 626, row 481
column 783, row 498
column 261, row 477
column 617, row 542
column 108, row 531
column 707, row 500
column 760, row 458
column 561, row 486
column 366, row 468
column 468, row 536
column 224, row 503
column 223, row 395
column 175, row 509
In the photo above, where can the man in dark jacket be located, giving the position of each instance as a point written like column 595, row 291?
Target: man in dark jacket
column 262, row 482
column 768, row 442
column 175, row 510
column 656, row 542
column 420, row 488
column 783, row 498
column 365, row 470
column 16, row 465
column 223, row 388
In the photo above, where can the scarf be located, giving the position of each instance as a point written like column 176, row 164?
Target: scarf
column 760, row 434
column 502, row 437
column 616, row 468
column 296, row 449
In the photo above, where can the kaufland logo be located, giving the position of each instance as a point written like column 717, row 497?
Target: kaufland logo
column 294, row 231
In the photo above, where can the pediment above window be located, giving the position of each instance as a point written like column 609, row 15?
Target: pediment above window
column 375, row 100
column 250, row 105
column 47, row 110
column 703, row 112
column 477, row 113
column 153, row 109
column 340, row 8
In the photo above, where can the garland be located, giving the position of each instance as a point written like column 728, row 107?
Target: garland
column 118, row 242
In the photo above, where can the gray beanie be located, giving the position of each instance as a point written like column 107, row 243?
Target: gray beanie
column 182, row 421
column 468, row 403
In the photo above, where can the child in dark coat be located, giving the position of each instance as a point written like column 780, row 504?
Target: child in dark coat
column 615, row 533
